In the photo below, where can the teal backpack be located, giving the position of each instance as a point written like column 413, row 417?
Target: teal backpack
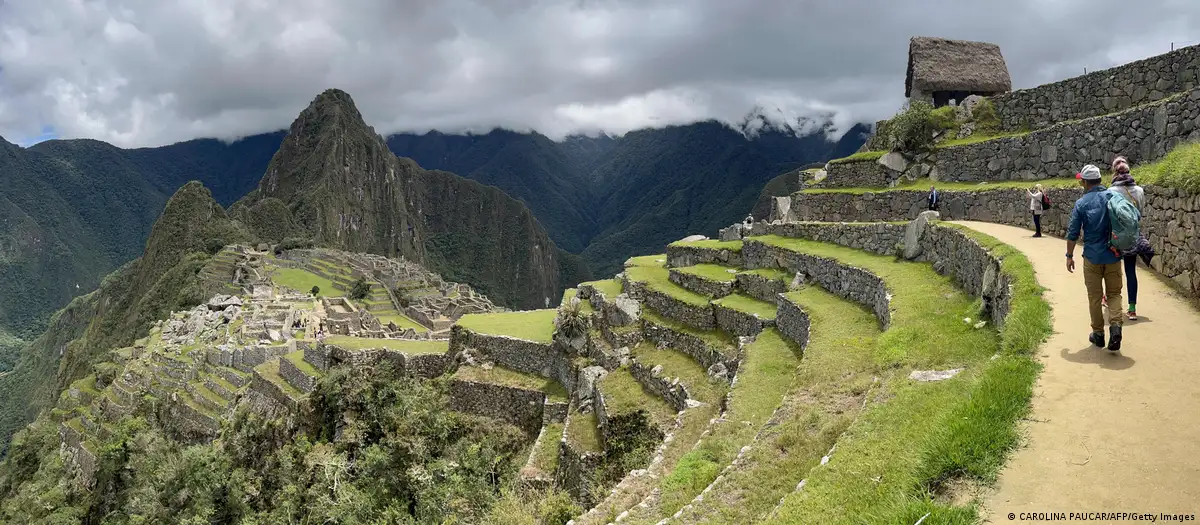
column 1125, row 219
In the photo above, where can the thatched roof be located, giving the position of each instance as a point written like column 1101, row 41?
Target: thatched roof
column 939, row 64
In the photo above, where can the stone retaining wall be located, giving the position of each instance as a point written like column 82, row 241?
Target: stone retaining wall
column 680, row 256
column 1100, row 92
column 692, row 315
column 760, row 287
column 1171, row 219
column 191, row 422
column 738, row 322
column 543, row 359
column 296, row 377
column 265, row 388
column 624, row 424
column 521, row 407
column 667, row 388
column 554, row 411
column 700, row 284
column 708, row 356
column 792, row 321
column 858, row 174
column 845, row 281
column 79, row 458
column 1142, row 134
column 949, row 250
column 576, row 473
column 326, row 356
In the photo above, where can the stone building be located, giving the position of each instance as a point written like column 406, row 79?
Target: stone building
column 941, row 70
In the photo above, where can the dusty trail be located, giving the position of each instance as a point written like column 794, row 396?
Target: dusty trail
column 1116, row 433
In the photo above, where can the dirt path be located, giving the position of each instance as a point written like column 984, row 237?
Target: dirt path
column 1116, row 433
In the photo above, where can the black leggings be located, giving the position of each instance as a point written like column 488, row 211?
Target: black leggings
column 1037, row 223
column 1131, row 278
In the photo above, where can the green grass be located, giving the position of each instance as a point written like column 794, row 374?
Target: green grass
column 678, row 364
column 711, row 244
column 401, row 320
column 583, row 431
column 646, row 260
column 87, row 385
column 623, row 395
column 531, row 325
column 711, row 272
column 658, row 278
column 500, row 375
column 270, row 371
column 297, row 359
column 407, row 346
column 1180, row 168
column 764, row 377
column 544, row 457
column 978, row 137
column 199, row 388
column 749, row 305
column 303, row 281
column 922, row 185
column 584, row 306
column 862, row 156
column 774, row 274
column 823, row 400
column 609, row 287
column 925, row 434
column 927, row 309
column 221, row 381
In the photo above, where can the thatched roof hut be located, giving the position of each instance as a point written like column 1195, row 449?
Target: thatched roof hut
column 954, row 68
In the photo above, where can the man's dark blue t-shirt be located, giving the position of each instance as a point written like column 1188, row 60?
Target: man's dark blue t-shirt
column 1091, row 214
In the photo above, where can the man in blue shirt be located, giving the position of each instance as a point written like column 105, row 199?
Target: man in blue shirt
column 1102, row 272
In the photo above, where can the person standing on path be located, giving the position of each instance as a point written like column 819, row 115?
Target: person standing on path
column 935, row 200
column 1035, row 206
column 1124, row 184
column 1101, row 267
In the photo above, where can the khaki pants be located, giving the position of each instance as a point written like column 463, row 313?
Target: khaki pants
column 1102, row 280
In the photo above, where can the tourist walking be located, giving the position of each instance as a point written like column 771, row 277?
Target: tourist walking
column 1124, row 184
column 1035, row 206
column 935, row 200
column 1101, row 267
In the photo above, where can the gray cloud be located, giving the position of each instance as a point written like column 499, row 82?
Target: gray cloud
column 149, row 72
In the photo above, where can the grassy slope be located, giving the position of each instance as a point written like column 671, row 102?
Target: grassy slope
column 823, row 399
column 532, row 325
column 928, row 433
column 303, row 281
column 406, row 346
column 712, row 272
column 504, row 376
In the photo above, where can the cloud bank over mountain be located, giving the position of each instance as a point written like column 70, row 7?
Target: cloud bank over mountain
column 145, row 72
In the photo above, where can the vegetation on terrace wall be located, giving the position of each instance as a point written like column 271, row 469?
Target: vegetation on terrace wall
column 384, row 450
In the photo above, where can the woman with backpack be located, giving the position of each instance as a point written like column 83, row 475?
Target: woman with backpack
column 1037, row 198
column 1124, row 185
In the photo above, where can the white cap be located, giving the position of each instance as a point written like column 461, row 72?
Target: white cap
column 1088, row 172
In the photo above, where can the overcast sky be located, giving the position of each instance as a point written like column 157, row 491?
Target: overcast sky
column 152, row 72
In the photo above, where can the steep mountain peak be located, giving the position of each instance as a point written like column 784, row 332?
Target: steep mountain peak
column 192, row 221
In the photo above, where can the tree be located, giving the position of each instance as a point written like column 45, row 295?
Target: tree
column 315, row 290
column 360, row 289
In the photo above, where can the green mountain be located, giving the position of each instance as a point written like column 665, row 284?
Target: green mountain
column 335, row 181
column 71, row 211
column 610, row 198
column 191, row 228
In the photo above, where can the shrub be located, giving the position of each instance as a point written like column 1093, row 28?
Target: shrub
column 913, row 129
column 360, row 289
column 983, row 115
column 294, row 243
column 571, row 321
column 316, row 290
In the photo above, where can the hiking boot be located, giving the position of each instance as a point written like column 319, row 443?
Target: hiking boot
column 1097, row 338
column 1114, row 338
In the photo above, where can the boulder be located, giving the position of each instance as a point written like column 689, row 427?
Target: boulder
column 933, row 375
column 894, row 161
column 587, row 380
column 781, row 209
column 732, row 233
column 914, row 231
column 626, row 312
column 274, row 335
column 693, row 238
